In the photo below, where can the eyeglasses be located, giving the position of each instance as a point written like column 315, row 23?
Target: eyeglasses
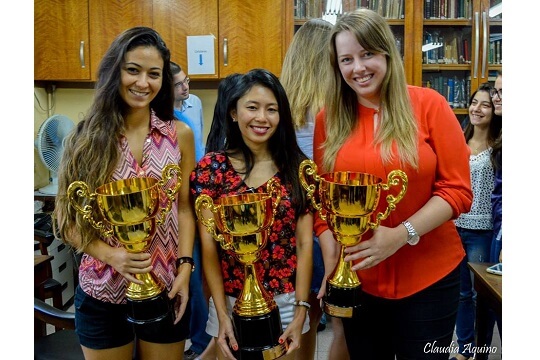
column 494, row 91
column 180, row 83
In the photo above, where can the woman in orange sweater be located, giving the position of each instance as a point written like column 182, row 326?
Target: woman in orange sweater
column 373, row 122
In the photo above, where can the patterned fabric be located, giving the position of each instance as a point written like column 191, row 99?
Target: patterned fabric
column 215, row 176
column 100, row 280
column 482, row 182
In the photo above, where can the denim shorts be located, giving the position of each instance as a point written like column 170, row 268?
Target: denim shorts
column 283, row 301
column 103, row 325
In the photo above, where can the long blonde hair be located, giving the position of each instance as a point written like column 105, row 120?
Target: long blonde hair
column 398, row 123
column 306, row 69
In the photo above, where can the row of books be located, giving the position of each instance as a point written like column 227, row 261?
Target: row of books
column 495, row 48
column 389, row 9
column 448, row 9
column 307, row 9
column 454, row 47
column 456, row 90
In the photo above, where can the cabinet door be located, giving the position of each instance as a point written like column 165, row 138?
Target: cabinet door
column 175, row 20
column 108, row 19
column 61, row 40
column 252, row 35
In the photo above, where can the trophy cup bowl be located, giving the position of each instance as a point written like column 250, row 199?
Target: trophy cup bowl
column 242, row 223
column 130, row 210
column 347, row 202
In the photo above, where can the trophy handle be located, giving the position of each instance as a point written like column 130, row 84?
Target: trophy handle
column 309, row 168
column 79, row 190
column 205, row 202
column 395, row 177
column 167, row 174
column 273, row 188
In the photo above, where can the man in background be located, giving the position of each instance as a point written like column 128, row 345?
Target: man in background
column 188, row 108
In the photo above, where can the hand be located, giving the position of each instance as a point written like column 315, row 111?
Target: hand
column 180, row 290
column 128, row 264
column 384, row 243
column 292, row 334
column 226, row 339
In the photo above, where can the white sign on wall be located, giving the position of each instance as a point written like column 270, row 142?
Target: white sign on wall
column 200, row 51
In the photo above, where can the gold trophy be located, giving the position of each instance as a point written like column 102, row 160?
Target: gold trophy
column 129, row 210
column 243, row 222
column 348, row 200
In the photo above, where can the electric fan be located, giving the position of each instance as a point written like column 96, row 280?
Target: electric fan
column 50, row 146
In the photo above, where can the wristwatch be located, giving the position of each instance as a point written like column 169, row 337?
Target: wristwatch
column 413, row 237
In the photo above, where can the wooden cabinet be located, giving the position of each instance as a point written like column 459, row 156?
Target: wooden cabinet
column 61, row 40
column 470, row 47
column 71, row 36
column 110, row 18
column 248, row 34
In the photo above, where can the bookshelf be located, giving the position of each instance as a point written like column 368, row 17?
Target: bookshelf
column 465, row 51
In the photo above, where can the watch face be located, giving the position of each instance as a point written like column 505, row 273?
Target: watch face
column 414, row 240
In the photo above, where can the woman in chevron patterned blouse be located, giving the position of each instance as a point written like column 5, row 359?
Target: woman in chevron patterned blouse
column 130, row 132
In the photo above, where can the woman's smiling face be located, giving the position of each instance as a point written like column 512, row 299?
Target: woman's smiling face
column 257, row 114
column 362, row 70
column 141, row 76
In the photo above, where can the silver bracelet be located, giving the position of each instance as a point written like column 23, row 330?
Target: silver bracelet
column 302, row 303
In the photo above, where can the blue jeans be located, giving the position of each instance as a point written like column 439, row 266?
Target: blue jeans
column 199, row 306
column 477, row 245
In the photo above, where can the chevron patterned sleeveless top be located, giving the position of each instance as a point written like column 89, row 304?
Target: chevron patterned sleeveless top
column 100, row 280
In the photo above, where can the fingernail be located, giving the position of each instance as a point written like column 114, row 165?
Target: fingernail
column 235, row 347
column 281, row 341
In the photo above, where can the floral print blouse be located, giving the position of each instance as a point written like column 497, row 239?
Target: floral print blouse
column 216, row 177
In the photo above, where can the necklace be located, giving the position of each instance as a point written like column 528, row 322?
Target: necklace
column 478, row 148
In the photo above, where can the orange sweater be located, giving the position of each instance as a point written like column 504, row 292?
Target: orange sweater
column 443, row 171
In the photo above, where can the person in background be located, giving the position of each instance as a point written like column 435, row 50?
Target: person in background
column 496, row 158
column 258, row 122
column 476, row 227
column 306, row 68
column 188, row 109
column 496, row 197
column 129, row 132
column 409, row 265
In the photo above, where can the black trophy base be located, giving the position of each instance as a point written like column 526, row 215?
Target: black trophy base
column 148, row 311
column 258, row 336
column 341, row 302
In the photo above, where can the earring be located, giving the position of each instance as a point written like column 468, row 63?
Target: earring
column 234, row 119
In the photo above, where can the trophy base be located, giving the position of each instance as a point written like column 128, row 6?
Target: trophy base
column 258, row 336
column 341, row 302
column 148, row 311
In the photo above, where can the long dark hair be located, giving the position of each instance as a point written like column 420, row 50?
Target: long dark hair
column 216, row 136
column 283, row 146
column 91, row 152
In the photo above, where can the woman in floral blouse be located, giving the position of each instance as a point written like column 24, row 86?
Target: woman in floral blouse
column 260, row 145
